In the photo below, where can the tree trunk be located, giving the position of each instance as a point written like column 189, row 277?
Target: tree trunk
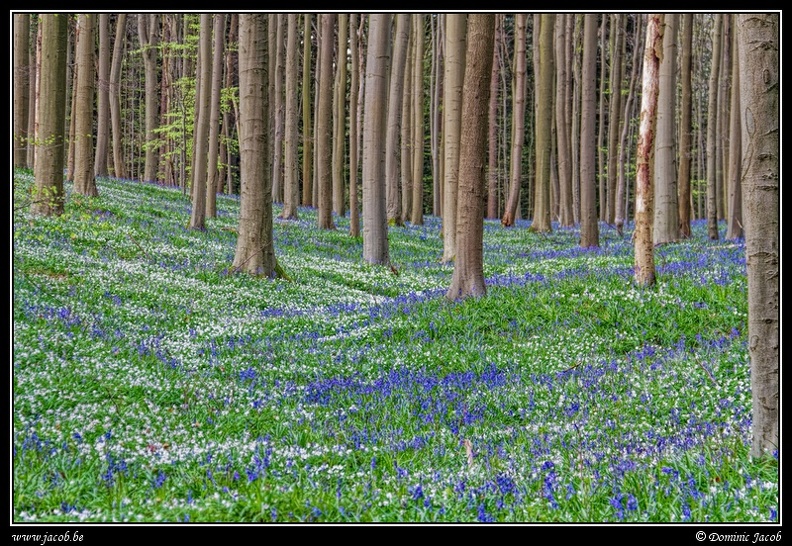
column 576, row 144
column 324, row 118
column 666, row 205
column 200, row 147
column 712, row 116
column 21, row 87
column 563, row 153
column 212, row 173
column 418, row 122
column 622, row 192
column 354, row 214
column 255, row 251
column 339, row 118
column 375, row 223
column 617, row 29
column 406, row 137
column 468, row 277
column 492, row 133
column 685, row 127
column 453, row 80
column 644, row 193
column 279, row 112
column 395, row 97
column 291, row 188
column 589, row 228
column 103, row 106
column 119, row 169
column 307, row 173
column 518, row 123
column 84, row 179
column 761, row 118
column 48, row 191
column 734, row 227
column 542, row 218
column 148, row 34
column 601, row 125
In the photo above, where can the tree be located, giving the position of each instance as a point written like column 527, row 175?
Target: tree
column 291, row 188
column 589, row 228
column 255, row 251
column 712, row 115
column 453, row 80
column 115, row 96
column 621, row 185
column 563, row 98
column 200, row 147
column 213, row 173
column 418, row 122
column 468, row 276
column 492, row 136
column 279, row 112
column 734, row 227
column 395, row 97
column 375, row 223
column 518, row 122
column 614, row 113
column 148, row 35
column 339, row 117
column 644, row 192
column 307, row 190
column 21, row 87
column 324, row 116
column 103, row 97
column 685, row 126
column 666, row 210
column 544, row 121
column 354, row 214
column 759, row 83
column 84, row 180
column 48, row 191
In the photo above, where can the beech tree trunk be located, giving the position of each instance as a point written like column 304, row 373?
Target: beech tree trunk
column 324, row 119
column 395, row 97
column 518, row 123
column 21, row 88
column 418, row 122
column 307, row 173
column 453, row 80
column 354, row 212
column 119, row 169
column 148, row 34
column 102, row 103
column 589, row 227
column 339, row 117
column 544, row 120
column 685, row 127
column 213, row 173
column 734, row 226
column 375, row 223
column 84, row 179
column 759, row 54
column 291, row 188
column 644, row 192
column 712, row 116
column 255, row 251
column 468, row 277
column 48, row 197
column 666, row 205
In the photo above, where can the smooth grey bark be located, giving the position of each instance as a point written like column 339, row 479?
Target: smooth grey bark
column 468, row 277
column 759, row 54
column 84, row 179
column 589, row 228
column 394, row 122
column 375, row 222
column 291, row 188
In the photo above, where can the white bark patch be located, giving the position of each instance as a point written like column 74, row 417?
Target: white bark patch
column 640, row 204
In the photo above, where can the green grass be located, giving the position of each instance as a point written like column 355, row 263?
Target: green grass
column 151, row 383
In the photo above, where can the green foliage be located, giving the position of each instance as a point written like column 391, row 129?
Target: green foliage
column 150, row 384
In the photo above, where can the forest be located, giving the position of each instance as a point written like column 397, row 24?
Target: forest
column 395, row 267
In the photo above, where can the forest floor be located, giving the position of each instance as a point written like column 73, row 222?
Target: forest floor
column 152, row 383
